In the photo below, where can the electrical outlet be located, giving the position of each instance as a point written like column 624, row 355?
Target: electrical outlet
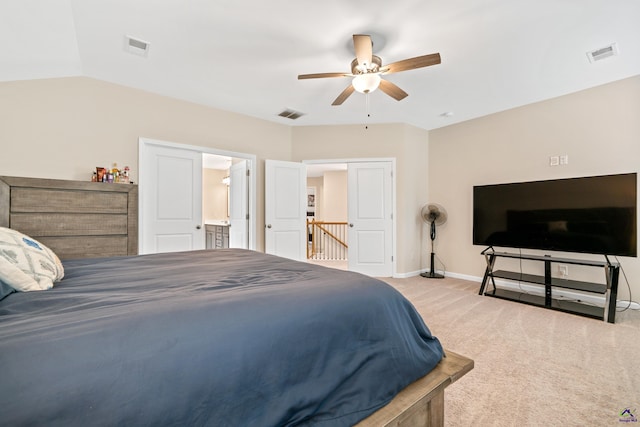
column 554, row 161
column 563, row 270
column 564, row 159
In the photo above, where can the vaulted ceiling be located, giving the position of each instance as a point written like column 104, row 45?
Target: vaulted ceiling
column 245, row 55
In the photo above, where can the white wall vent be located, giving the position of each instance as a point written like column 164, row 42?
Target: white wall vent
column 291, row 114
column 603, row 53
column 136, row 46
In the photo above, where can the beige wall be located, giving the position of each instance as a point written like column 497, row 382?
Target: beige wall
column 413, row 186
column 408, row 145
column 64, row 128
column 599, row 129
column 215, row 195
column 331, row 196
column 334, row 196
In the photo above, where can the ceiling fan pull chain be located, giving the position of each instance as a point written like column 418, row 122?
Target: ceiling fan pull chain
column 366, row 103
column 368, row 108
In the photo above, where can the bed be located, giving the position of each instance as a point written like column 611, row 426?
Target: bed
column 215, row 337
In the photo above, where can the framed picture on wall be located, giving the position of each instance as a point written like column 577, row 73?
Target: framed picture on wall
column 311, row 201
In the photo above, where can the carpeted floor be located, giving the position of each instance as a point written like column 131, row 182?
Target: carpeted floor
column 533, row 367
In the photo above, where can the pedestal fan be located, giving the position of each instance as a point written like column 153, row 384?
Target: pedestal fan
column 433, row 214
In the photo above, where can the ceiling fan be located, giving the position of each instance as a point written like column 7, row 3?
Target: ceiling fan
column 367, row 68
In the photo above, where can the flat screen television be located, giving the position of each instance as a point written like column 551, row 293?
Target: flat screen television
column 595, row 214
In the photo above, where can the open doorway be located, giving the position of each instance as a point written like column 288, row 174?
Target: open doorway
column 370, row 205
column 225, row 201
column 215, row 189
column 327, row 215
column 359, row 196
column 209, row 183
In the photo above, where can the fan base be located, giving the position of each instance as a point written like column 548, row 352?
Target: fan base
column 432, row 275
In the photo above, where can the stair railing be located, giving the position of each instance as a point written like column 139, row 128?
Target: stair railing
column 327, row 240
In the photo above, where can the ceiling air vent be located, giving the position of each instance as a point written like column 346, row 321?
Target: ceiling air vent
column 136, row 46
column 603, row 53
column 291, row 114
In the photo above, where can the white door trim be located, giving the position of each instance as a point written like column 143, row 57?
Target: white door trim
column 394, row 191
column 143, row 143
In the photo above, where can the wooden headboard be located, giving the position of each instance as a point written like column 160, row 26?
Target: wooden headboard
column 76, row 219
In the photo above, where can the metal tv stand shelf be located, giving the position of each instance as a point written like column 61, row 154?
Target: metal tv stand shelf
column 608, row 289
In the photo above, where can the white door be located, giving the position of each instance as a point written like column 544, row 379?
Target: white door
column 285, row 209
column 370, row 201
column 239, row 205
column 172, row 203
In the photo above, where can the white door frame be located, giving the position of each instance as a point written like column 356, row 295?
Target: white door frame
column 143, row 159
column 394, row 191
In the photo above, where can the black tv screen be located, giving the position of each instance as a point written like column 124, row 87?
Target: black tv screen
column 595, row 214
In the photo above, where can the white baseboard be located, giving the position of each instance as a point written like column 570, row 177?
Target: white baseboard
column 625, row 303
column 419, row 272
column 406, row 275
column 464, row 277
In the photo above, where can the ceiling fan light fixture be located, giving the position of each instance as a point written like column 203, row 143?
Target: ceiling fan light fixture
column 366, row 83
column 366, row 70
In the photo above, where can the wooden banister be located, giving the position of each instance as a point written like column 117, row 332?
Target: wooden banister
column 326, row 241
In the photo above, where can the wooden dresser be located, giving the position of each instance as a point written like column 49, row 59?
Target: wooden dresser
column 76, row 219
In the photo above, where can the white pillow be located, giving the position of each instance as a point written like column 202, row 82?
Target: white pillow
column 26, row 264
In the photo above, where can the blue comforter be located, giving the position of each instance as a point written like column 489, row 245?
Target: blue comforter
column 219, row 337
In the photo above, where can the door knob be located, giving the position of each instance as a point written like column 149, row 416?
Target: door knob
column 351, row 225
column 198, row 227
column 268, row 225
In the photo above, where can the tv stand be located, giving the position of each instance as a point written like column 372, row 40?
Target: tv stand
column 608, row 289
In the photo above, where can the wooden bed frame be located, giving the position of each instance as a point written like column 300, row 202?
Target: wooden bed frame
column 86, row 220
column 422, row 402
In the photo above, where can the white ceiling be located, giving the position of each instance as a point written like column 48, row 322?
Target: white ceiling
column 245, row 55
column 214, row 161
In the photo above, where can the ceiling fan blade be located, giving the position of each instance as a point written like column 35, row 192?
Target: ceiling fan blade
column 322, row 75
column 392, row 90
column 344, row 95
column 412, row 63
column 363, row 48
